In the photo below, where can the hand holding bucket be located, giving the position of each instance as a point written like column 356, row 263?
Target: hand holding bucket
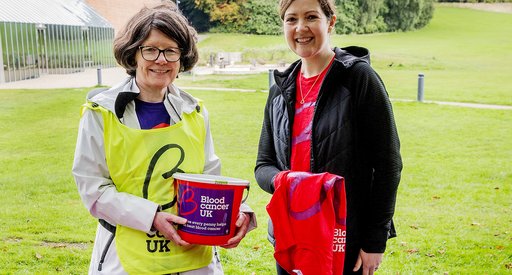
column 211, row 206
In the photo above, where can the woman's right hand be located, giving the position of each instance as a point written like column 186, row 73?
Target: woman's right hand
column 165, row 222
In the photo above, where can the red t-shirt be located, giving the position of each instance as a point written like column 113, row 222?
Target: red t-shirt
column 307, row 91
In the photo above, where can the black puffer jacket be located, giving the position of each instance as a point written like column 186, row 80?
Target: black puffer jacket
column 353, row 135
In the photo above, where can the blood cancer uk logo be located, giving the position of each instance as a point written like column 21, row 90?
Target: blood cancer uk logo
column 208, row 211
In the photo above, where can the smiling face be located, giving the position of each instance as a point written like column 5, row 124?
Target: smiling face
column 154, row 76
column 307, row 28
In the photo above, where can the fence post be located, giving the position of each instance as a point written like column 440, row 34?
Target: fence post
column 421, row 86
column 271, row 80
column 98, row 73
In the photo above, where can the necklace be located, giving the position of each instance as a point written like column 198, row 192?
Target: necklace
column 311, row 88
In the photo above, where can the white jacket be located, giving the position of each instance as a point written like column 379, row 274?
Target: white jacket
column 99, row 193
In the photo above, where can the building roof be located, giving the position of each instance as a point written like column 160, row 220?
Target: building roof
column 55, row 12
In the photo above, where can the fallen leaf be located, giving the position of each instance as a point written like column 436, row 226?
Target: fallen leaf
column 403, row 244
column 436, row 197
column 38, row 256
column 441, row 251
column 496, row 188
column 256, row 247
column 430, row 255
column 412, row 251
column 500, row 247
column 508, row 266
column 414, row 226
column 475, row 224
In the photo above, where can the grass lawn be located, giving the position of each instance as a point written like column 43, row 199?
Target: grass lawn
column 454, row 208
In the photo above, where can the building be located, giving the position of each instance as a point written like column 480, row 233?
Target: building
column 118, row 12
column 52, row 37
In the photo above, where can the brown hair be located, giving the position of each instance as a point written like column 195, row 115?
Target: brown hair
column 327, row 7
column 164, row 17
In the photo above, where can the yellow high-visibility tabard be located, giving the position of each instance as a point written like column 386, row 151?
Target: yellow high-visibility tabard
column 141, row 163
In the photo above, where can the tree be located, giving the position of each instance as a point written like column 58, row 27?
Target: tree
column 370, row 16
column 426, row 14
column 404, row 15
column 347, row 12
column 224, row 14
column 353, row 16
column 198, row 18
column 261, row 17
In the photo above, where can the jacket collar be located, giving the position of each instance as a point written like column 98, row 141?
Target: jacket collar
column 347, row 57
column 350, row 55
column 117, row 98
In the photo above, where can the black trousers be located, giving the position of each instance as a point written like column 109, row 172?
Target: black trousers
column 280, row 270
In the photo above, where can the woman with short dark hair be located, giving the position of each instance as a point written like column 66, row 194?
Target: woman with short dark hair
column 132, row 139
column 127, row 43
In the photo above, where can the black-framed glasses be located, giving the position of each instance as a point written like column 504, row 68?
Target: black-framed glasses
column 150, row 53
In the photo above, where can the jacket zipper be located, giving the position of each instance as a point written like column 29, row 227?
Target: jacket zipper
column 105, row 250
column 216, row 254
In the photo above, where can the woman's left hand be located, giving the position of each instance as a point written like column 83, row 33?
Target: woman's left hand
column 368, row 261
column 242, row 225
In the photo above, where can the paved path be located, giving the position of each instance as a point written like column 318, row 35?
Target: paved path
column 460, row 104
column 112, row 76
column 494, row 7
column 109, row 77
column 472, row 105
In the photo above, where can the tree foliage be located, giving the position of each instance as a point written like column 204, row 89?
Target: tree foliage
column 369, row 16
column 426, row 13
column 197, row 17
column 402, row 15
column 354, row 16
column 261, row 17
column 224, row 14
column 348, row 13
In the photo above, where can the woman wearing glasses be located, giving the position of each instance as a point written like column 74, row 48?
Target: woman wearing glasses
column 131, row 140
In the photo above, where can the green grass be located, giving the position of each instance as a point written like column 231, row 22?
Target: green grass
column 454, row 208
column 454, row 202
column 255, row 82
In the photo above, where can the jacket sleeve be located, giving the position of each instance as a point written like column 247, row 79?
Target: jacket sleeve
column 95, row 187
column 266, row 162
column 382, row 153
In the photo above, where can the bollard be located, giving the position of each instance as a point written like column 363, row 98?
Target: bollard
column 271, row 80
column 212, row 60
column 98, row 72
column 421, row 85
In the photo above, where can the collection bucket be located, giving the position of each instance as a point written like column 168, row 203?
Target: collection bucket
column 211, row 205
